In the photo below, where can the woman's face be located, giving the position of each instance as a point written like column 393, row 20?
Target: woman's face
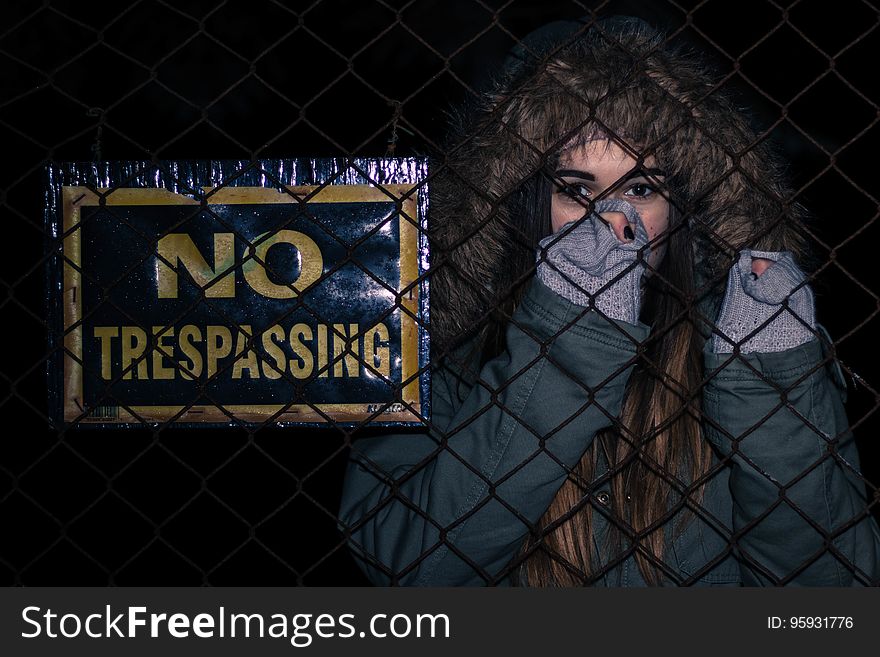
column 599, row 165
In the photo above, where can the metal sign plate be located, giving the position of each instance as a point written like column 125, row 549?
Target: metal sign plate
column 231, row 304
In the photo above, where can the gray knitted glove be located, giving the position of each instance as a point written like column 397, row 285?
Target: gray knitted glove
column 581, row 260
column 751, row 301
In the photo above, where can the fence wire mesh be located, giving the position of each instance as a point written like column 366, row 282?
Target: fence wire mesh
column 151, row 81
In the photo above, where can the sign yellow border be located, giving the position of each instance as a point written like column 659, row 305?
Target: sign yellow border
column 74, row 198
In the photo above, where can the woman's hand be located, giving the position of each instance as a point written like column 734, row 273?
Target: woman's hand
column 768, row 305
column 776, row 417
column 598, row 261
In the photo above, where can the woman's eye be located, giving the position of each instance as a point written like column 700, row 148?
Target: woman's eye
column 576, row 191
column 640, row 190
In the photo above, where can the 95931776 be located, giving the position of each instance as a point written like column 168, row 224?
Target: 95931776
column 810, row 623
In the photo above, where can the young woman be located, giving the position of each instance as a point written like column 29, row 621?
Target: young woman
column 629, row 386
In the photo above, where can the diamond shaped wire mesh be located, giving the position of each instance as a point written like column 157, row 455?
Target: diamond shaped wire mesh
column 150, row 80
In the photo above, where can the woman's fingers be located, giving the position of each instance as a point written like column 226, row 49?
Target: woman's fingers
column 760, row 265
column 769, row 276
column 621, row 227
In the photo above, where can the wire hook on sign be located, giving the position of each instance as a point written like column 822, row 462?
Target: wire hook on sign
column 395, row 127
column 97, row 112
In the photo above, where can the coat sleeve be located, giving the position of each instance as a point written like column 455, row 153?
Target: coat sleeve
column 800, row 514
column 452, row 506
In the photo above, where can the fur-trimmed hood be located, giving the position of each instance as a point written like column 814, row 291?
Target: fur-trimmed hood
column 621, row 78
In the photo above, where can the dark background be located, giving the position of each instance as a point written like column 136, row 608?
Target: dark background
column 205, row 79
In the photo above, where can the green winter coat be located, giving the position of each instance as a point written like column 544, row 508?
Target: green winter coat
column 452, row 506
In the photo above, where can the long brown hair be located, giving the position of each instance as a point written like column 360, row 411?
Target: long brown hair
column 653, row 453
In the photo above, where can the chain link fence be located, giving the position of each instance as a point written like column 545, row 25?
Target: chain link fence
column 254, row 504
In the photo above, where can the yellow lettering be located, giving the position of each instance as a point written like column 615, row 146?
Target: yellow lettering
column 245, row 361
column 193, row 367
column 342, row 344
column 322, row 350
column 106, row 334
column 376, row 354
column 134, row 343
column 303, row 362
column 160, row 351
column 219, row 346
column 180, row 251
column 273, row 370
column 311, row 264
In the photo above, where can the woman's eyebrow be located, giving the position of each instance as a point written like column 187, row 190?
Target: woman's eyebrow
column 641, row 173
column 574, row 173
